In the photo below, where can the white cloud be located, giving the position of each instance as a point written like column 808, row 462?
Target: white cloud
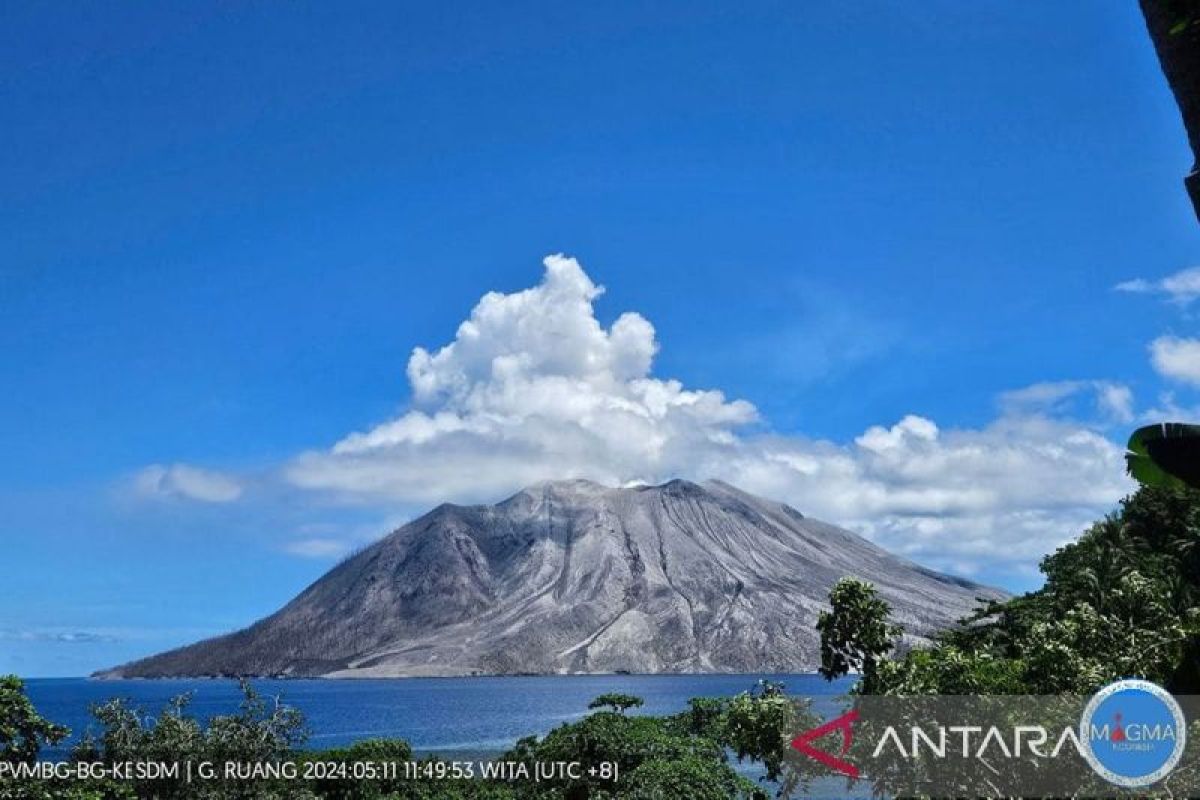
column 533, row 387
column 1114, row 401
column 1173, row 357
column 1001, row 495
column 1182, row 287
column 183, row 480
column 1176, row 358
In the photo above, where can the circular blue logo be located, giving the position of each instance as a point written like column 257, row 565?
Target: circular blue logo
column 1133, row 733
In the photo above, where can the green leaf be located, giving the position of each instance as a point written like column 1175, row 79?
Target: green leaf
column 1166, row 454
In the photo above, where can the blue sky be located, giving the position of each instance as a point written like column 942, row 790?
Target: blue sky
column 871, row 228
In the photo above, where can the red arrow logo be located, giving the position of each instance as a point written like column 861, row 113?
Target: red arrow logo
column 844, row 724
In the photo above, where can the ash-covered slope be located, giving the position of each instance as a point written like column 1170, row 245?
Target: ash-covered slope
column 572, row 576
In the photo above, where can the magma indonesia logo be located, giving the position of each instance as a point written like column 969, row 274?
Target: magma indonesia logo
column 1132, row 733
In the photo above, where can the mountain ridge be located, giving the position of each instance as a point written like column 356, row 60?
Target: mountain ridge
column 576, row 577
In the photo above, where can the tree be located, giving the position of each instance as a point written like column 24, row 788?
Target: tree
column 681, row 757
column 616, row 701
column 689, row 777
column 758, row 724
column 855, row 632
column 1121, row 601
column 261, row 732
column 22, row 729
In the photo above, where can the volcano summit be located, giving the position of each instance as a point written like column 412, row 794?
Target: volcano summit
column 572, row 576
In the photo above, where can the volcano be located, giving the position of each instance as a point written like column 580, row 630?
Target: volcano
column 575, row 577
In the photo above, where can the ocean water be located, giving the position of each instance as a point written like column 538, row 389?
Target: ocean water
column 463, row 717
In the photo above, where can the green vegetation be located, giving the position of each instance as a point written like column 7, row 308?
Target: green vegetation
column 616, row 701
column 1166, row 455
column 1122, row 601
column 22, row 731
column 679, row 757
column 855, row 633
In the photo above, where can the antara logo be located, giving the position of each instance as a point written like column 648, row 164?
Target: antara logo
column 845, row 725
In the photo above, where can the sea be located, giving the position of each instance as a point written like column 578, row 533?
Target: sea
column 453, row 717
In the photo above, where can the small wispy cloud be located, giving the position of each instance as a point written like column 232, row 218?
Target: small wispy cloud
column 329, row 540
column 1168, row 408
column 58, row 636
column 1180, row 288
column 1114, row 401
column 184, row 480
column 317, row 548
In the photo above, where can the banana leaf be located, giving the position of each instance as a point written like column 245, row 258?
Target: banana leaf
column 1166, row 454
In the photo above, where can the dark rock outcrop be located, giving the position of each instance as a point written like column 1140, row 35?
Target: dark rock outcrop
column 1174, row 27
